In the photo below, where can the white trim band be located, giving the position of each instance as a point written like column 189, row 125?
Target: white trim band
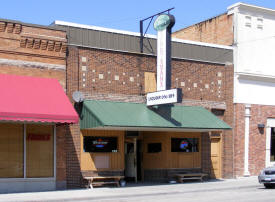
column 23, row 63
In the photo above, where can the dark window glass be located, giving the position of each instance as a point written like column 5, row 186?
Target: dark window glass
column 154, row 147
column 184, row 144
column 272, row 146
column 130, row 148
column 132, row 133
column 100, row 144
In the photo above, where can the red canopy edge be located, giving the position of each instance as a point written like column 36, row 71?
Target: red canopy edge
column 34, row 99
column 38, row 118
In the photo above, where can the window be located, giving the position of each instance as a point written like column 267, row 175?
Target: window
column 272, row 146
column 100, row 144
column 154, row 147
column 11, row 150
column 260, row 23
column 248, row 21
column 40, row 151
column 184, row 144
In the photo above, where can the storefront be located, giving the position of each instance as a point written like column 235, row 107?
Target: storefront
column 141, row 137
column 33, row 112
column 142, row 143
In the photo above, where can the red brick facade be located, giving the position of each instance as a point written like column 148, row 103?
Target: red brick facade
column 37, row 51
column 32, row 51
column 257, row 139
column 217, row 30
column 114, row 75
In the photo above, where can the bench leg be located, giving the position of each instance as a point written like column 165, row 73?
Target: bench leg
column 179, row 180
column 91, row 184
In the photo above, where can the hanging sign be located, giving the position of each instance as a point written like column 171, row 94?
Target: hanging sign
column 164, row 94
column 164, row 97
column 163, row 25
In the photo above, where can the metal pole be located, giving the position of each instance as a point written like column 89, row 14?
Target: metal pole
column 141, row 27
column 141, row 35
column 159, row 13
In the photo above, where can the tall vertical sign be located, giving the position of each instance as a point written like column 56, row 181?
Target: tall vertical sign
column 163, row 25
column 164, row 94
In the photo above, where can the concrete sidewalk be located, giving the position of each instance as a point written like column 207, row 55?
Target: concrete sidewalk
column 132, row 190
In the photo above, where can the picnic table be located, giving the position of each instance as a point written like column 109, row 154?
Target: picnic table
column 190, row 176
column 102, row 180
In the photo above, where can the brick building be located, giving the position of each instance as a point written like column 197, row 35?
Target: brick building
column 35, row 111
column 107, row 67
column 250, row 30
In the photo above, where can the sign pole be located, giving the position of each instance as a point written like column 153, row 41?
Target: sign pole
column 164, row 94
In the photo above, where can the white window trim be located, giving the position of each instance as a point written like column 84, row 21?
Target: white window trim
column 270, row 123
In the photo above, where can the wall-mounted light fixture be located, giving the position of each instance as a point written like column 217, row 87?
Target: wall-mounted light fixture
column 261, row 125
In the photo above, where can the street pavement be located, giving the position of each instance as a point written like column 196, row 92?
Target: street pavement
column 245, row 189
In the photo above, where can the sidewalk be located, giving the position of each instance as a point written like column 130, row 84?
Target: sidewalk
column 131, row 190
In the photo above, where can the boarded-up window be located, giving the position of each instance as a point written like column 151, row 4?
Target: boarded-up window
column 102, row 161
column 40, row 151
column 11, row 150
column 150, row 84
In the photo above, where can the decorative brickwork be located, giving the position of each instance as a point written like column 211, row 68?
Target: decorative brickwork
column 102, row 67
column 109, row 75
column 22, row 52
column 10, row 27
column 32, row 43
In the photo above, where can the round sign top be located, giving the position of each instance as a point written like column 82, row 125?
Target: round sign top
column 163, row 21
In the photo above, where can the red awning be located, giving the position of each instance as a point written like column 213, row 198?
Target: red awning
column 24, row 98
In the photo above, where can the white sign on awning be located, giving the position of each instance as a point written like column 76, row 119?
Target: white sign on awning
column 163, row 97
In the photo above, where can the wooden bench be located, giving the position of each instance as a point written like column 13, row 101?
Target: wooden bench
column 190, row 176
column 102, row 180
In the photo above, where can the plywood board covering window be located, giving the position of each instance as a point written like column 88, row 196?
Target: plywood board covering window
column 11, row 150
column 150, row 84
column 40, row 151
column 167, row 159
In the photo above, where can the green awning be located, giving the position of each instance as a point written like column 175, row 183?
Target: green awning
column 126, row 116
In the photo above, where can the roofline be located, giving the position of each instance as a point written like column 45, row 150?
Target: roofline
column 103, row 29
column 69, row 24
column 31, row 25
column 202, row 43
column 167, row 129
column 239, row 4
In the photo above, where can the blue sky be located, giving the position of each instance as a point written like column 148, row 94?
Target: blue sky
column 116, row 14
